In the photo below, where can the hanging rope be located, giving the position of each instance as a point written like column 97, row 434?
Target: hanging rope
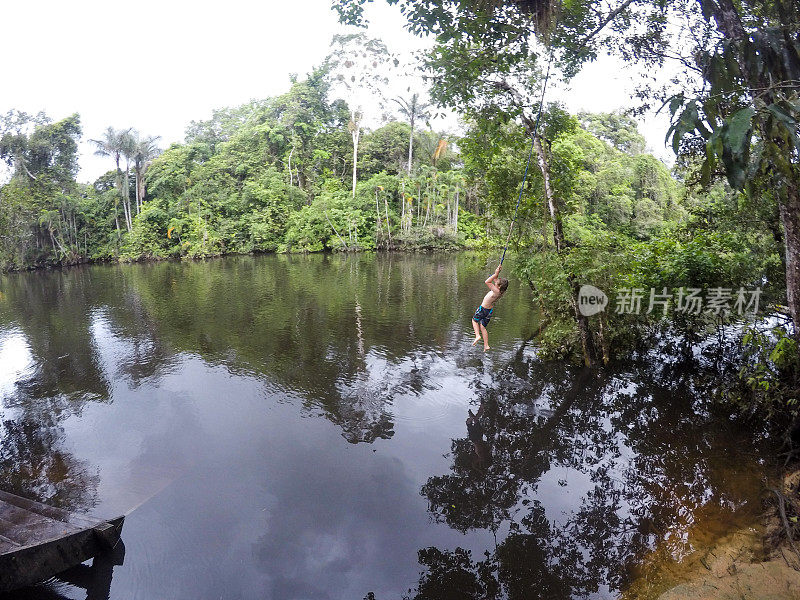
column 530, row 154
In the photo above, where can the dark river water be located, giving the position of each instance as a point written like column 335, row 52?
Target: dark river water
column 295, row 427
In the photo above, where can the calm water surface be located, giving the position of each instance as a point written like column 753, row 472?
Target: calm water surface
column 295, row 428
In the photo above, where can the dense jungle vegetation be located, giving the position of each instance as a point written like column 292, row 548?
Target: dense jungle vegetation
column 273, row 176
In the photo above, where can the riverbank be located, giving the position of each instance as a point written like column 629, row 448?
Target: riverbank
column 435, row 245
column 751, row 561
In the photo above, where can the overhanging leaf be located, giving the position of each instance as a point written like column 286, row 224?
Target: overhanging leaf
column 738, row 131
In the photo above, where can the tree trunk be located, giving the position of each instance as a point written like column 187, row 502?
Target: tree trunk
column 448, row 216
column 125, row 214
column 411, row 144
column 602, row 337
column 344, row 244
column 56, row 243
column 455, row 214
column 403, row 209
column 729, row 22
column 143, row 185
column 388, row 228
column 356, row 134
column 727, row 17
column 126, row 198
column 137, row 170
column 290, row 166
column 587, row 342
column 118, row 183
column 790, row 217
column 377, row 219
column 552, row 205
column 427, row 204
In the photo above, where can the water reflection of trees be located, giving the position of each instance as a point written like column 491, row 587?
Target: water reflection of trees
column 313, row 326
column 34, row 464
column 64, row 374
column 345, row 334
column 643, row 459
column 333, row 329
column 50, row 310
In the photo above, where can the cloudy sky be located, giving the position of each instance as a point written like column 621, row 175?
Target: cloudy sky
column 157, row 65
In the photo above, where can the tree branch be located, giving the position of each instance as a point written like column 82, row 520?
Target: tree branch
column 346, row 247
column 611, row 16
column 517, row 98
column 726, row 17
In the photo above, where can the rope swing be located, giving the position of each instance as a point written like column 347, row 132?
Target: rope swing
column 530, row 154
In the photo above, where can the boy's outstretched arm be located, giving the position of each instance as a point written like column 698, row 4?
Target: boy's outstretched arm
column 490, row 282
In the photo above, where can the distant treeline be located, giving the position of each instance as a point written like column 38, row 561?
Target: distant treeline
column 275, row 176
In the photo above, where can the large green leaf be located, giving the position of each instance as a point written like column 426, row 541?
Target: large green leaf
column 738, row 131
column 686, row 123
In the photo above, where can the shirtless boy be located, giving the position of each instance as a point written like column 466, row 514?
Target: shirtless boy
column 497, row 286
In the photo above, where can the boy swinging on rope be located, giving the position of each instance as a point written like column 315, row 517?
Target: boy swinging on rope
column 497, row 287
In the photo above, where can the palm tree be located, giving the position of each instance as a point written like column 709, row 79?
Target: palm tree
column 354, row 126
column 145, row 150
column 112, row 144
column 412, row 110
column 128, row 149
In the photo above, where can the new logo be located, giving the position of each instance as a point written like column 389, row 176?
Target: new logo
column 591, row 300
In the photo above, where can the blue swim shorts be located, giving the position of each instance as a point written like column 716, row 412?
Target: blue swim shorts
column 482, row 315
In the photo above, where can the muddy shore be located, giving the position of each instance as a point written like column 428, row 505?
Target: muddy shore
column 754, row 561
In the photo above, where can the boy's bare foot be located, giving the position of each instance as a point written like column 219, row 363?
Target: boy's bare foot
column 476, row 340
column 485, row 348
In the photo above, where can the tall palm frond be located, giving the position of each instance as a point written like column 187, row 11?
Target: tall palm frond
column 412, row 110
column 111, row 144
column 117, row 143
column 144, row 150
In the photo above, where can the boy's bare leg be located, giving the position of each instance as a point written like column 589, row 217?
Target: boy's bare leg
column 485, row 335
column 477, row 332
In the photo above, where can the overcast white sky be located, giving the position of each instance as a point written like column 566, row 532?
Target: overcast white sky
column 157, row 65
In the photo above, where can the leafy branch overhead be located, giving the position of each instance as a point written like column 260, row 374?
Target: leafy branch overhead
column 749, row 115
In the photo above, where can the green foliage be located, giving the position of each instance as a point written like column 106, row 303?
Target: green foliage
column 307, row 230
column 747, row 118
column 147, row 239
column 697, row 258
column 618, row 129
column 632, row 194
column 769, row 372
column 385, row 149
column 45, row 216
column 274, row 180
